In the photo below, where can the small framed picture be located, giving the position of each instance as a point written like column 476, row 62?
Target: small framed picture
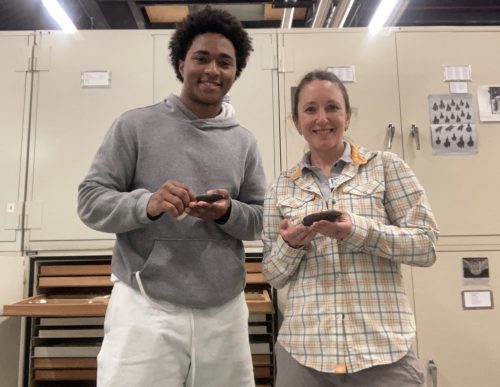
column 475, row 268
column 489, row 102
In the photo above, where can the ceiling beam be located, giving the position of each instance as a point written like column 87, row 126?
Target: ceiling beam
column 341, row 12
column 275, row 3
column 187, row 2
column 287, row 18
column 321, row 12
column 137, row 14
column 93, row 11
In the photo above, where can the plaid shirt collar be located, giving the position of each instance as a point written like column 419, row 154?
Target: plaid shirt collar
column 358, row 156
column 305, row 164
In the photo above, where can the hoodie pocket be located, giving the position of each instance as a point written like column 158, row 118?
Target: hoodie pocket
column 191, row 268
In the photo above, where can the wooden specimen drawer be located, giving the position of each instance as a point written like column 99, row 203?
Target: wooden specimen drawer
column 59, row 305
column 67, row 316
column 83, row 300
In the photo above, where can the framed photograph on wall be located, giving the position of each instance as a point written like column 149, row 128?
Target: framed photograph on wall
column 488, row 98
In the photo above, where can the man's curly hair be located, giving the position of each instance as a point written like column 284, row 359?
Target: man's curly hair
column 209, row 20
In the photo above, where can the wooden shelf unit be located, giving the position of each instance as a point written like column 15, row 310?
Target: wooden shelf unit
column 66, row 311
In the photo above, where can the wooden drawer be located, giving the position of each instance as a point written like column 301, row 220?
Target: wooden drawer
column 57, row 305
column 74, row 276
column 83, row 306
column 57, row 277
column 85, row 368
column 71, row 374
column 75, row 282
column 262, row 304
column 67, row 317
column 74, row 270
column 65, row 363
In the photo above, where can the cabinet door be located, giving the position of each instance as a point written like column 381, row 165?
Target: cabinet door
column 15, row 79
column 70, row 120
column 165, row 81
column 462, row 189
column 374, row 94
column 11, row 289
column 253, row 95
column 462, row 343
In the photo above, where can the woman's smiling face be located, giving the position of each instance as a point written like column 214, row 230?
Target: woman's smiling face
column 321, row 116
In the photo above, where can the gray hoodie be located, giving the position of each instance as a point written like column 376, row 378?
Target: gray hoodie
column 190, row 262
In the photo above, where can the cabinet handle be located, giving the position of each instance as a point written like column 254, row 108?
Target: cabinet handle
column 390, row 135
column 415, row 135
column 433, row 372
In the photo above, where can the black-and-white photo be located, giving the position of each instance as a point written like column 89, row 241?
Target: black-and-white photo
column 476, row 267
column 488, row 99
column 494, row 93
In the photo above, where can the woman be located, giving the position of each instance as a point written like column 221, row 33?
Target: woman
column 348, row 321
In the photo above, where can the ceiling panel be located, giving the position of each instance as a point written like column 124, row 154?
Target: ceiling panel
column 134, row 14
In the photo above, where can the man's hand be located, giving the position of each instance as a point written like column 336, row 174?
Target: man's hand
column 172, row 197
column 211, row 211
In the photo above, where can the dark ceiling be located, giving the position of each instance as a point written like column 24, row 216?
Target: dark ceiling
column 21, row 15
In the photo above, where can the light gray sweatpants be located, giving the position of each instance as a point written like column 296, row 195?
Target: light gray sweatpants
column 148, row 343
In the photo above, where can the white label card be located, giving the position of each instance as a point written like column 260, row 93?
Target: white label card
column 344, row 73
column 457, row 73
column 478, row 299
column 96, row 79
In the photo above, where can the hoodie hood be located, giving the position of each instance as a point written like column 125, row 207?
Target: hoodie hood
column 225, row 119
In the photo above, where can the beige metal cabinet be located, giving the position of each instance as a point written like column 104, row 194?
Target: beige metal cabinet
column 462, row 189
column 395, row 73
column 12, row 268
column 462, row 193
column 165, row 81
column 15, row 79
column 67, row 308
column 253, row 95
column 374, row 94
column 69, row 120
column 462, row 343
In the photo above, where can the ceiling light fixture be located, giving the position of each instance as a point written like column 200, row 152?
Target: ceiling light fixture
column 59, row 15
column 381, row 15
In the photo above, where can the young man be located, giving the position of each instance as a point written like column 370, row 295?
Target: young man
column 177, row 314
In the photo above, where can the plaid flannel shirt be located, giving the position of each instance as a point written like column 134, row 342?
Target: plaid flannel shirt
column 346, row 303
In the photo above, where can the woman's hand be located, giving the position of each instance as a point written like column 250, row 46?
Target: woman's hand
column 339, row 229
column 296, row 236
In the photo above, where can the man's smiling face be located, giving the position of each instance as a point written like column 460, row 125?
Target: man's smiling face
column 209, row 71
